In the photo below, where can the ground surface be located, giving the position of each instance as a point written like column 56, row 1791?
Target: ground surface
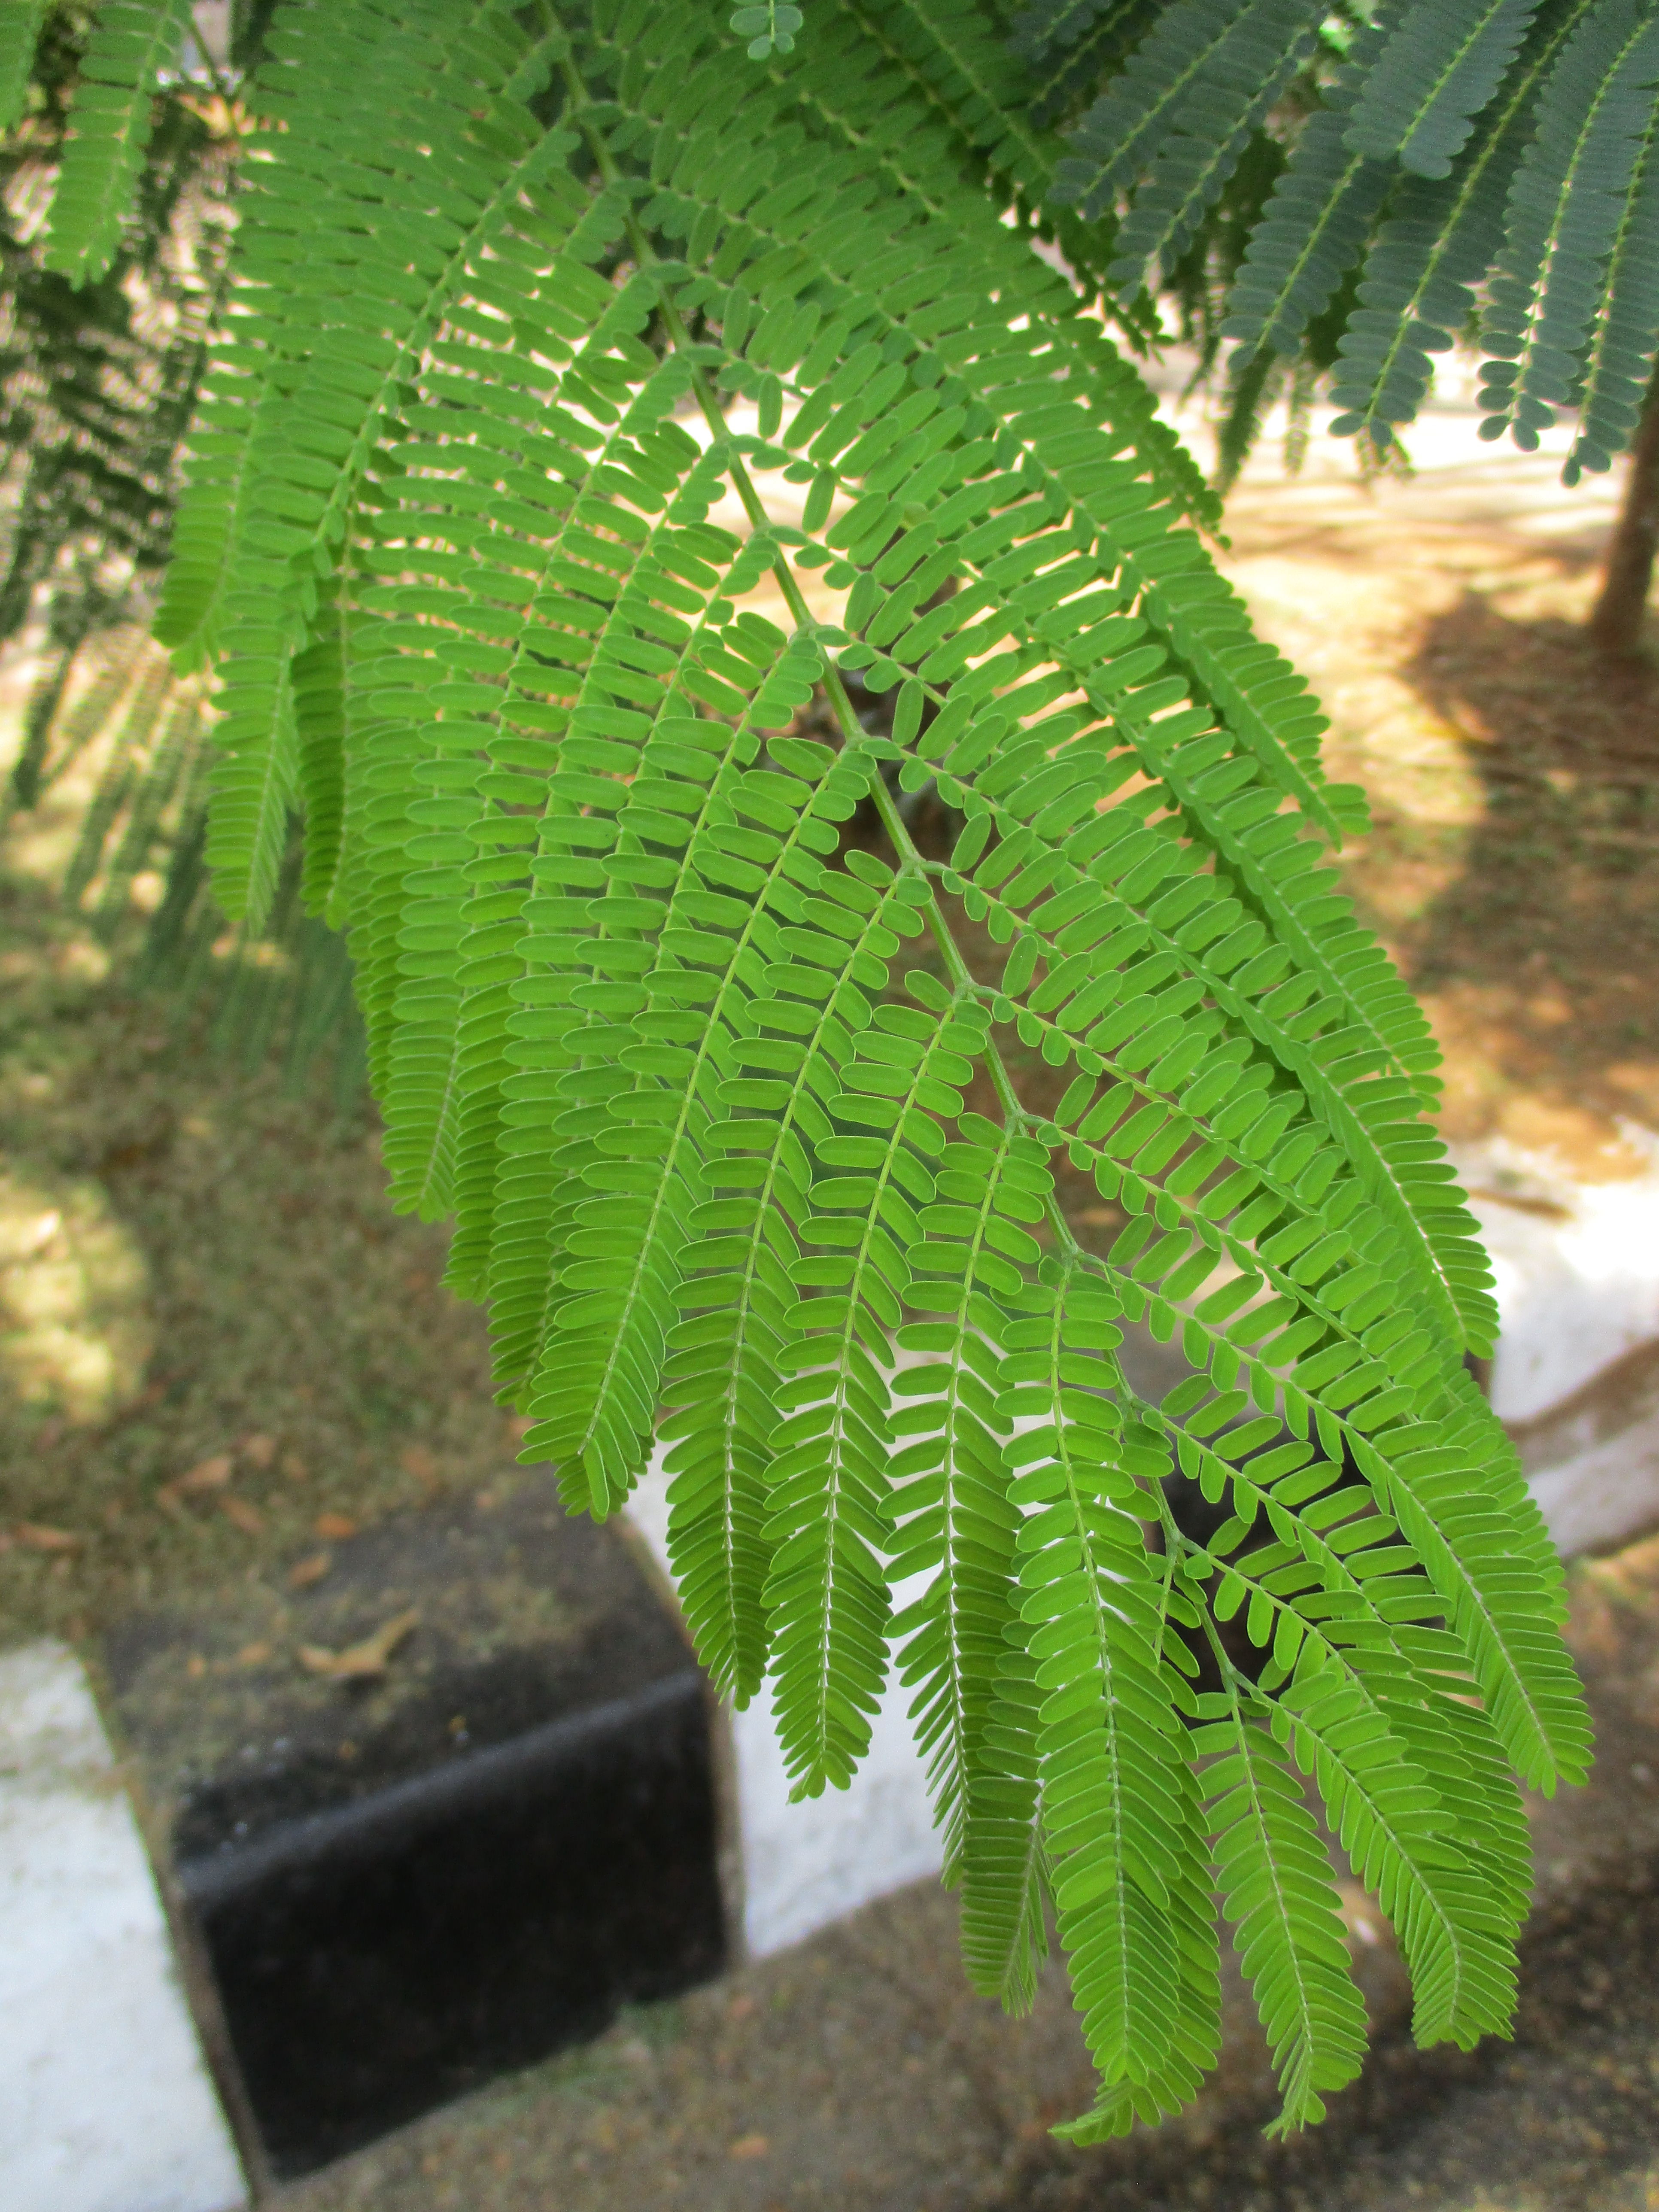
column 857, row 2073
column 200, row 1278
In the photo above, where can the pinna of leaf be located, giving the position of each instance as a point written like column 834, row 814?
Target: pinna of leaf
column 734, row 1138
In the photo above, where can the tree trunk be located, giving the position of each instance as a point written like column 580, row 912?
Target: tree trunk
column 1615, row 624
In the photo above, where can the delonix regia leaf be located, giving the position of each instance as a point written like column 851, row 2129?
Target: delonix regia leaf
column 732, row 1131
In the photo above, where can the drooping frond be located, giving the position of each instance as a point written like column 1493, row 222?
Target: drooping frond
column 1570, row 192
column 1276, row 1888
column 1439, row 66
column 1119, row 1802
column 1198, row 73
column 1314, row 227
column 1417, row 291
column 132, row 43
column 1616, row 369
column 1265, row 46
column 1419, row 158
column 586, row 415
column 1067, row 43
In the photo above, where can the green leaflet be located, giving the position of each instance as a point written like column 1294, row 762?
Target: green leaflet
column 1416, row 291
column 1566, row 204
column 702, row 1073
column 1265, row 47
column 1199, row 65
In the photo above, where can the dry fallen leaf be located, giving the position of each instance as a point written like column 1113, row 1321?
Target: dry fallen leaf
column 196, row 1666
column 207, row 1474
column 240, row 1514
column 253, row 1655
column 260, row 1449
column 304, row 1572
column 295, row 1468
column 336, row 1527
column 41, row 1539
column 360, row 1663
column 749, row 2147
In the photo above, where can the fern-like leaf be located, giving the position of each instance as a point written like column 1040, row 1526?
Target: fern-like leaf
column 1276, row 1888
column 1617, row 367
column 1266, row 44
column 1199, row 68
column 1318, row 214
column 727, row 1118
column 1417, row 292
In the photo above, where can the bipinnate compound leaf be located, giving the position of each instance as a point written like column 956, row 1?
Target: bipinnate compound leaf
column 594, row 401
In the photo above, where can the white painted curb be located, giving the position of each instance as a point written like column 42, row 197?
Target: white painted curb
column 106, row 2104
column 1577, row 1265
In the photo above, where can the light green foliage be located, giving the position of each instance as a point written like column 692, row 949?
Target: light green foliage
column 769, row 29
column 132, row 42
column 720, row 1109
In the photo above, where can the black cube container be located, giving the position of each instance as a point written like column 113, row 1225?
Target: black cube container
column 405, row 1885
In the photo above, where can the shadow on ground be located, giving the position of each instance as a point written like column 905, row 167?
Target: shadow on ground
column 1537, row 944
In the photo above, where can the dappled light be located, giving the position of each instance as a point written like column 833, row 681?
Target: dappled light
column 75, row 1325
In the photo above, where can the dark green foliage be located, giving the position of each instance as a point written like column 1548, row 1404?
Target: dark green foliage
column 99, row 377
column 133, row 43
column 1204, row 72
column 20, row 35
column 705, row 1083
column 1439, row 66
column 1571, row 197
column 1438, row 144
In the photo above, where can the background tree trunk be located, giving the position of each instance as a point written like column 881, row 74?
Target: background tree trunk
column 1615, row 622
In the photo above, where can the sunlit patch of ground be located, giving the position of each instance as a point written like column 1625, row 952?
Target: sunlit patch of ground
column 76, row 1331
column 1513, row 773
